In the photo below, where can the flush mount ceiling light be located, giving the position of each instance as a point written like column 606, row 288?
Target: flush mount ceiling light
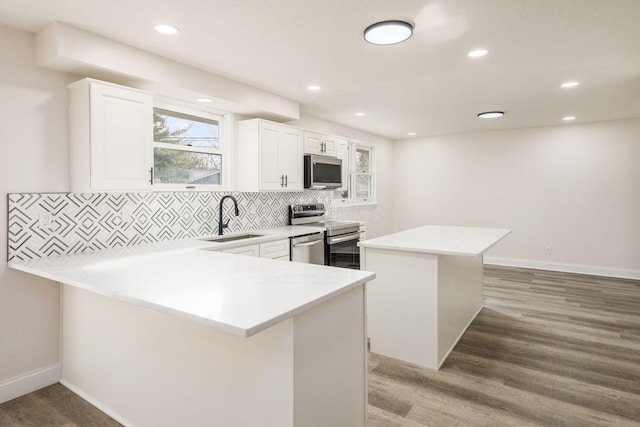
column 411, row 134
column 569, row 84
column 313, row 88
column 360, row 114
column 204, row 100
column 491, row 114
column 569, row 118
column 167, row 29
column 388, row 32
column 477, row 53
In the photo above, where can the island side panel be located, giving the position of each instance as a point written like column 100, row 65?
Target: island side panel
column 459, row 298
column 330, row 380
column 147, row 368
column 402, row 305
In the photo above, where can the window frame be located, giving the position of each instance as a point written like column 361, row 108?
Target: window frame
column 352, row 174
column 224, row 139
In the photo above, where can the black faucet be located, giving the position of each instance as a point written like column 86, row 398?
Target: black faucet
column 223, row 225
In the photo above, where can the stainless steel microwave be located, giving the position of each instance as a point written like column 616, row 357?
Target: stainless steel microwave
column 322, row 172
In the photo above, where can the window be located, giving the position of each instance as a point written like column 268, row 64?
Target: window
column 188, row 149
column 359, row 176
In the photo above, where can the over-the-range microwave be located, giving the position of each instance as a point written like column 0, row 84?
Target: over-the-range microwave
column 322, row 172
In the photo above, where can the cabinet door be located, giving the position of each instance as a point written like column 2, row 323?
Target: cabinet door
column 316, row 143
column 271, row 174
column 291, row 158
column 342, row 152
column 277, row 249
column 312, row 143
column 251, row 250
column 121, row 138
column 329, row 146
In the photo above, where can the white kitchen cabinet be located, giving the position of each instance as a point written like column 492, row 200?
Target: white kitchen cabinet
column 270, row 156
column 316, row 143
column 111, row 135
column 275, row 250
column 278, row 249
column 249, row 250
column 342, row 152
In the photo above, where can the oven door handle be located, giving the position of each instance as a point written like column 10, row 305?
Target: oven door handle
column 354, row 236
column 302, row 245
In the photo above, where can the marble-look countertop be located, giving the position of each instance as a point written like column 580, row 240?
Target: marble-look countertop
column 237, row 294
column 440, row 240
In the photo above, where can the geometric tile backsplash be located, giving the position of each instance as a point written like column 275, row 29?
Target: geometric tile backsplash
column 88, row 222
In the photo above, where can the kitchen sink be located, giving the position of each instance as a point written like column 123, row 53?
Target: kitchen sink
column 233, row 237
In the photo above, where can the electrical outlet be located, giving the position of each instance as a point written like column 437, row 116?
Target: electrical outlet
column 45, row 220
column 548, row 250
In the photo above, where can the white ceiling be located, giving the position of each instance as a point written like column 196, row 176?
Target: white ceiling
column 427, row 85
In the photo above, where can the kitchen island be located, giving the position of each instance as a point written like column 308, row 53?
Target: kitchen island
column 428, row 289
column 175, row 334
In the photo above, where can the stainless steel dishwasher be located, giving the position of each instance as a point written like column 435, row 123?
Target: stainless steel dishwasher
column 308, row 248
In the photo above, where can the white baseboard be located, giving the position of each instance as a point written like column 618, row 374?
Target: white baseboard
column 566, row 268
column 97, row 404
column 29, row 382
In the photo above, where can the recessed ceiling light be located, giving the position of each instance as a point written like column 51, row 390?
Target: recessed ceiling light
column 569, row 84
column 167, row 29
column 313, row 87
column 388, row 32
column 569, row 118
column 411, row 134
column 360, row 114
column 491, row 114
column 204, row 100
column 478, row 53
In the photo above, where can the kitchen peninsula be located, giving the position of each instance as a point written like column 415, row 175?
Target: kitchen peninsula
column 428, row 289
column 177, row 334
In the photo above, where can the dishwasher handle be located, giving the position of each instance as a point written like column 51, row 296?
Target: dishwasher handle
column 302, row 245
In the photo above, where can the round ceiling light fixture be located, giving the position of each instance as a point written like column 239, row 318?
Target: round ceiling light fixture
column 388, row 32
column 313, row 88
column 491, row 114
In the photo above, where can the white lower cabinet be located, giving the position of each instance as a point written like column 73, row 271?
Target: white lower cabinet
column 251, row 250
column 278, row 249
column 275, row 250
column 111, row 136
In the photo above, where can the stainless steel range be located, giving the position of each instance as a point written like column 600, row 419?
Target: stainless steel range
column 341, row 237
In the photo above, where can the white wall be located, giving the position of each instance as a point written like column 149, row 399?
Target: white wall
column 33, row 158
column 575, row 188
column 379, row 218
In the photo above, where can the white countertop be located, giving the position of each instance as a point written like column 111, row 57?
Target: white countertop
column 237, row 294
column 441, row 240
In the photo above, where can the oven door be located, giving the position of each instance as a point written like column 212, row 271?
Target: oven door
column 343, row 251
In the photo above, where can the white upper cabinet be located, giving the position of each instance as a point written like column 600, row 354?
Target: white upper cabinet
column 111, row 136
column 342, row 152
column 316, row 143
column 270, row 156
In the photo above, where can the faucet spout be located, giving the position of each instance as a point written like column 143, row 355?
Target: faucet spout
column 222, row 225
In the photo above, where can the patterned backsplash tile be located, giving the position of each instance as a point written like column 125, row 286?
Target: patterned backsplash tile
column 94, row 221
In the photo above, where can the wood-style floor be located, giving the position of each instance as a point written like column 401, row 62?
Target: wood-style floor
column 549, row 349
